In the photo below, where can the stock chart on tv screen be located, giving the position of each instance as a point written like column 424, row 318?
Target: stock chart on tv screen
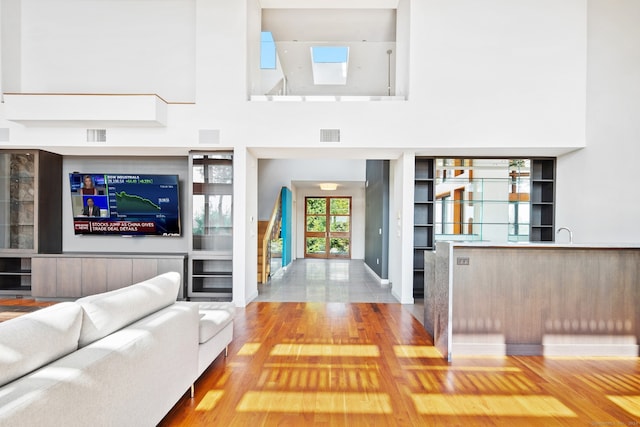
column 125, row 204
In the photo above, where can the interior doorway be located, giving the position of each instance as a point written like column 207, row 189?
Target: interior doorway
column 327, row 227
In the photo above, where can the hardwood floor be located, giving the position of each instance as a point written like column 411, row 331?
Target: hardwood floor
column 14, row 307
column 372, row 364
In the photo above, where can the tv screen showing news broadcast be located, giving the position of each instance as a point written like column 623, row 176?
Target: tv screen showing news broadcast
column 125, row 204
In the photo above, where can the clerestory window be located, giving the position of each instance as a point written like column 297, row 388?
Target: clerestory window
column 267, row 51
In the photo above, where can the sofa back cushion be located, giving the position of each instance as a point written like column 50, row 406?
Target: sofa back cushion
column 107, row 312
column 36, row 339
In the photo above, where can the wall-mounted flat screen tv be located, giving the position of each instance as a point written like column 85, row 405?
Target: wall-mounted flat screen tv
column 123, row 204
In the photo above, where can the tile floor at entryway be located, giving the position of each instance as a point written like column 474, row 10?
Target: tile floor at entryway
column 330, row 280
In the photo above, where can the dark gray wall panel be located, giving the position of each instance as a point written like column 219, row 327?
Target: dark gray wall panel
column 376, row 234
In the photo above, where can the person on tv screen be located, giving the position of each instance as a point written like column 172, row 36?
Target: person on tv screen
column 91, row 209
column 88, row 188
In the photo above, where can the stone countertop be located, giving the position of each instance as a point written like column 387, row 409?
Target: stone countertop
column 543, row 245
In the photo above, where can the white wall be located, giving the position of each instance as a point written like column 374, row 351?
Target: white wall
column 277, row 173
column 222, row 62
column 95, row 46
column 402, row 51
column 255, row 82
column 401, row 275
column 485, row 76
column 396, row 219
column 499, row 73
column 248, row 247
column 598, row 195
column 10, row 47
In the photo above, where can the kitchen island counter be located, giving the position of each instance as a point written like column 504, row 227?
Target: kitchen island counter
column 533, row 299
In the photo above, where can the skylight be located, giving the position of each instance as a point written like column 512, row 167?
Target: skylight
column 329, row 64
column 330, row 54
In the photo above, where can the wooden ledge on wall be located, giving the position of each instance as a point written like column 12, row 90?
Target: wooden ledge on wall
column 86, row 110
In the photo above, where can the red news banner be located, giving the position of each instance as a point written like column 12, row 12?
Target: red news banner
column 114, row 226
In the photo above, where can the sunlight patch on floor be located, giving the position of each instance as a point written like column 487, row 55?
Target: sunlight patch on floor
column 416, row 351
column 463, row 368
column 249, row 349
column 334, row 350
column 631, row 404
column 210, row 400
column 469, row 405
column 315, row 402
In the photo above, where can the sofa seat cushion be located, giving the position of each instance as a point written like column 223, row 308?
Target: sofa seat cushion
column 214, row 317
column 38, row 338
column 107, row 312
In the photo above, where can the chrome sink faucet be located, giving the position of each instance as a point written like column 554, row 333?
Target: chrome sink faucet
column 570, row 233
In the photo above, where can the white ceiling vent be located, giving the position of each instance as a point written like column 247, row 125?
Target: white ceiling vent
column 96, row 135
column 329, row 135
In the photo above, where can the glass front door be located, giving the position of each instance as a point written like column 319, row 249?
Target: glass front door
column 328, row 227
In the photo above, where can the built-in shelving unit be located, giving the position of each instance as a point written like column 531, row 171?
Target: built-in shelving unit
column 30, row 214
column 543, row 173
column 423, row 219
column 15, row 275
column 211, row 207
column 212, row 276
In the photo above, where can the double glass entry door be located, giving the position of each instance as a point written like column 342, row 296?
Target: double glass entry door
column 328, row 227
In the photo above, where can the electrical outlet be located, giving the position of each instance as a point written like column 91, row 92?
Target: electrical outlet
column 462, row 260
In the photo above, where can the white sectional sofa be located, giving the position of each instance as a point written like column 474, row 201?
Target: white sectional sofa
column 120, row 358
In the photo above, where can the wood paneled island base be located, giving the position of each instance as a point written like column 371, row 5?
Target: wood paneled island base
column 533, row 299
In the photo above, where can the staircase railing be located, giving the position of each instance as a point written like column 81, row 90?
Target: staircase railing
column 280, row 88
column 273, row 229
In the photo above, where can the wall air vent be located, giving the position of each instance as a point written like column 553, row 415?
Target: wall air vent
column 96, row 135
column 209, row 136
column 329, row 135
